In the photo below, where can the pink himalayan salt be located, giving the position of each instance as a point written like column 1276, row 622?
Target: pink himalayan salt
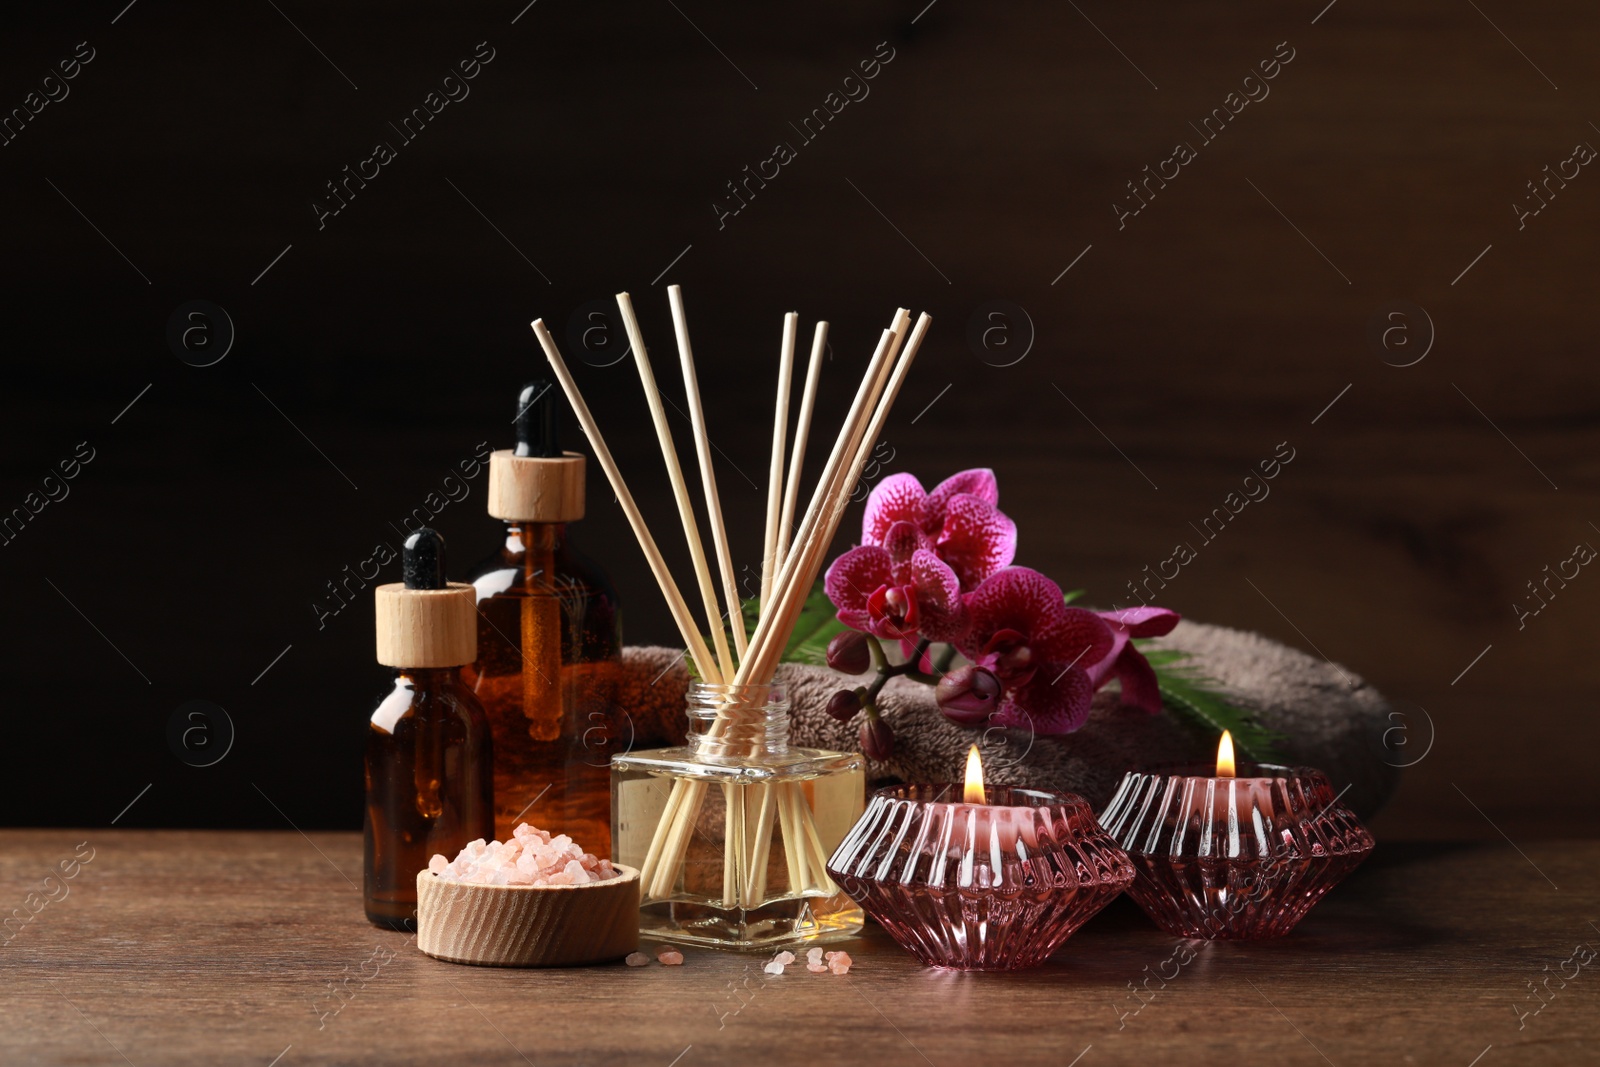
column 531, row 857
column 814, row 962
column 779, row 962
column 637, row 959
column 670, row 957
column 839, row 962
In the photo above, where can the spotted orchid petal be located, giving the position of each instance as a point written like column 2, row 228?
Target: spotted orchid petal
column 1055, row 701
column 853, row 578
column 898, row 498
column 902, row 541
column 975, row 539
column 943, row 614
column 979, row 482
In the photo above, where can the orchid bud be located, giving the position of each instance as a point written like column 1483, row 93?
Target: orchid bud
column 848, row 652
column 877, row 739
column 968, row 695
column 844, row 704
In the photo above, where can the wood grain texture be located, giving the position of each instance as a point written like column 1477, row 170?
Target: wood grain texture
column 528, row 926
column 536, row 488
column 427, row 627
column 180, row 948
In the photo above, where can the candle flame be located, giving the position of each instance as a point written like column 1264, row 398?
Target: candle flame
column 973, row 793
column 1225, row 763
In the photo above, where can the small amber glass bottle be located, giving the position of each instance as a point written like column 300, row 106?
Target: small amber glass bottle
column 549, row 642
column 429, row 753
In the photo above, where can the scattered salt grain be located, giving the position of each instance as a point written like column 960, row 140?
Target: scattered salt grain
column 670, row 957
column 785, row 958
column 530, row 857
column 773, row 968
column 839, row 962
column 637, row 959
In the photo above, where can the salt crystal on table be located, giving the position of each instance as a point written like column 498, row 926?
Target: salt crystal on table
column 670, row 957
column 637, row 959
column 773, row 968
column 785, row 958
column 813, row 955
column 817, row 968
column 839, row 962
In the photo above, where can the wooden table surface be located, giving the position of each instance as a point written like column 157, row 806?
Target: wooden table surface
column 174, row 947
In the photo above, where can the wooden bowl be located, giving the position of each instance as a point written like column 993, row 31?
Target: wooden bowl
column 528, row 925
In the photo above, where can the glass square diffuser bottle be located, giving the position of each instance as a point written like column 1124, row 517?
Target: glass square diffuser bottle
column 732, row 831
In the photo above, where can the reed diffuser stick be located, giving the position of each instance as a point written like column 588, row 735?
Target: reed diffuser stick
column 807, row 558
column 708, row 478
column 771, row 559
column 754, row 811
column 681, row 615
column 691, row 528
column 687, row 796
column 860, row 409
column 802, row 430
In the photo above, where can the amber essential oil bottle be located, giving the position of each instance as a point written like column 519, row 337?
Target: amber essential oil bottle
column 430, row 783
column 549, row 642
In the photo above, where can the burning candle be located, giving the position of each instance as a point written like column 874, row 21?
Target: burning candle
column 994, row 828
column 1223, row 856
column 996, row 881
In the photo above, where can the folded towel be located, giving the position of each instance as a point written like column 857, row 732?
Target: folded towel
column 1330, row 719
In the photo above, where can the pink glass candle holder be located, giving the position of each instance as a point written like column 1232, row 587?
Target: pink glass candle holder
column 1233, row 858
column 991, row 887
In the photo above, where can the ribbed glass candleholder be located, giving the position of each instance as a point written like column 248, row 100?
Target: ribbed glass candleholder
column 996, row 886
column 1233, row 858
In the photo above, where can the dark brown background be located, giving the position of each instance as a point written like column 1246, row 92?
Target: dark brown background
column 997, row 139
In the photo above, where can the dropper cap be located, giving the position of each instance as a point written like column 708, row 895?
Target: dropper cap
column 426, row 621
column 536, row 481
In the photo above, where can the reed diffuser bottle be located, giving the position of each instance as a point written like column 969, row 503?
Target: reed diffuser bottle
column 732, row 832
column 429, row 784
column 549, row 641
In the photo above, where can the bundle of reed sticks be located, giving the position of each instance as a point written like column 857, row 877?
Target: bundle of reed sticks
column 791, row 559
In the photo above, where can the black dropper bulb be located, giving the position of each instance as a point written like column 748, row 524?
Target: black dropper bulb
column 536, row 420
column 424, row 560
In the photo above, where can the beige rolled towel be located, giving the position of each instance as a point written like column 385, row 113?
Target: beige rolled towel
column 1330, row 718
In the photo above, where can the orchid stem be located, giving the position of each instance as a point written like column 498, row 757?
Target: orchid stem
column 887, row 670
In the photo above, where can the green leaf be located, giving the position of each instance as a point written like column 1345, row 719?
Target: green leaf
column 816, row 626
column 1186, row 691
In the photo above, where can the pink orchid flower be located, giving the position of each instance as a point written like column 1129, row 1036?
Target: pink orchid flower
column 897, row 590
column 959, row 521
column 1039, row 648
column 1126, row 663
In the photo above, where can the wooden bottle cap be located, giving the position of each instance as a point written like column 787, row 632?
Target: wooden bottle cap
column 536, row 488
column 427, row 627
